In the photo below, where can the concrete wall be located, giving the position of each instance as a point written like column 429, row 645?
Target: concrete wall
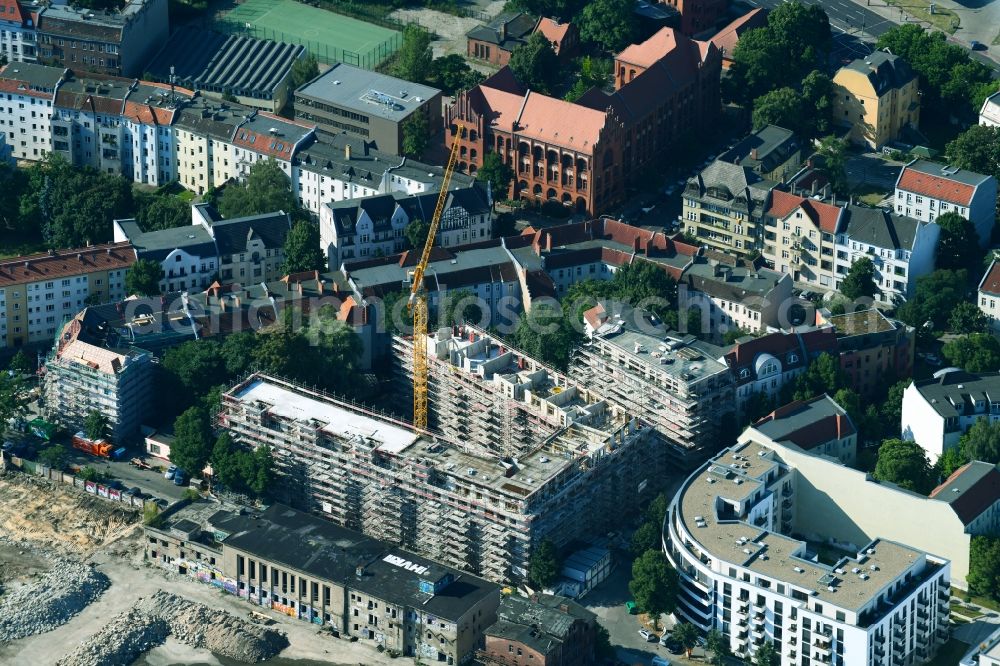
column 922, row 424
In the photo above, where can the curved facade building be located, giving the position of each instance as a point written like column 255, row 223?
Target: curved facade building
column 728, row 533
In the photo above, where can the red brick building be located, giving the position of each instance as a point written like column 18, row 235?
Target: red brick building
column 698, row 15
column 583, row 154
column 545, row 630
column 495, row 41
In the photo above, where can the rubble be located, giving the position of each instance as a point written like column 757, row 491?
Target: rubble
column 51, row 601
column 123, row 640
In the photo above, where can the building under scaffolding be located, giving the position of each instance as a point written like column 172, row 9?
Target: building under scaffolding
column 456, row 498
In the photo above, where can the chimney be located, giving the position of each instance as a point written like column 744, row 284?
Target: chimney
column 815, row 185
column 753, row 154
column 222, row 304
column 236, row 301
column 365, row 143
column 635, row 244
column 502, row 30
column 347, row 151
column 319, row 287
column 299, row 285
column 548, row 242
column 826, row 190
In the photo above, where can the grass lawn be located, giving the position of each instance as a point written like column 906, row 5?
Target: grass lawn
column 949, row 654
column 942, row 19
column 329, row 36
column 869, row 194
column 19, row 251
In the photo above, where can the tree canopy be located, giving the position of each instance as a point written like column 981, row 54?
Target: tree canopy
column 860, row 280
column 534, row 63
column 654, row 585
column 594, row 73
column 416, row 135
column 190, row 449
column 982, row 441
column 611, row 24
column 302, row 249
column 647, row 537
column 304, row 70
column 977, row 352
column 266, row 189
column 543, row 568
column 824, row 375
column 161, row 210
column 977, row 149
column 414, row 61
column 451, row 73
column 686, row 634
column 766, row 655
column 934, row 298
column 967, row 318
column 497, row 174
column 904, row 463
column 416, row 232
column 143, row 278
column 242, row 470
column 13, row 398
column 984, row 567
column 95, row 426
column 958, row 243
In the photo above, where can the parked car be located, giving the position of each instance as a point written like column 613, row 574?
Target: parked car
column 135, row 491
column 180, row 478
column 649, row 636
column 169, row 474
column 631, row 607
column 977, row 46
column 932, row 359
column 673, row 647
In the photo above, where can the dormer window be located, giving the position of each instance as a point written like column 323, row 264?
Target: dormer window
column 744, row 373
column 793, row 358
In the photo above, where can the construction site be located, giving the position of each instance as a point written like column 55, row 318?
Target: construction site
column 514, row 454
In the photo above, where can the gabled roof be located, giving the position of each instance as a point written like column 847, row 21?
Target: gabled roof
column 11, row 12
column 880, row 228
column 823, row 215
column 157, row 245
column 884, row 71
column 644, row 54
column 232, row 236
column 970, row 490
column 507, row 30
column 727, row 38
column 64, row 263
column 990, row 284
column 991, row 109
column 554, row 31
column 807, row 424
column 940, row 181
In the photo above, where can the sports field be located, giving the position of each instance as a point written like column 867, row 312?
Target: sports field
column 329, row 36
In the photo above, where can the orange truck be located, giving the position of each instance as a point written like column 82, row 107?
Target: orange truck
column 101, row 447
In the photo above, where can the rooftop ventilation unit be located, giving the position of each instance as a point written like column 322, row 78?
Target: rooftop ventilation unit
column 798, row 570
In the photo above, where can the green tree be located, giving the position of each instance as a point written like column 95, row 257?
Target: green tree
column 717, row 643
column 304, row 70
column 905, row 464
column 20, row 364
column 266, row 190
column 611, row 24
column 534, row 63
column 191, row 447
column 656, row 512
column 95, row 425
column 891, row 411
column 984, row 567
column 934, row 298
column 161, row 211
column 143, row 278
column 977, row 149
column 817, row 95
column 949, row 461
column 860, row 280
column 451, row 73
column 416, row 135
column 13, row 187
column 967, row 318
column 654, row 584
column 461, row 307
column 543, row 568
column 834, row 154
column 958, row 244
column 414, row 60
column 824, row 375
column 645, row 284
column 13, row 398
column 982, row 441
column 195, row 366
column 497, row 174
column 647, row 537
column 766, row 655
column 757, row 59
column 546, row 335
column 225, row 463
column 594, row 73
column 783, row 107
column 978, row 352
column 260, row 471
column 54, row 457
column 302, row 249
column 238, row 352
column 88, row 473
column 686, row 634
column 416, row 232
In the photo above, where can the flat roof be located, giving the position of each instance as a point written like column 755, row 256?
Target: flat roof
column 369, row 93
column 735, row 475
column 477, row 261
column 335, row 419
column 861, row 323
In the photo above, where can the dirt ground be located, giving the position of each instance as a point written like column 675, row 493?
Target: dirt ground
column 450, row 29
column 48, row 517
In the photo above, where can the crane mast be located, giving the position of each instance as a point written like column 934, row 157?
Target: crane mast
column 418, row 296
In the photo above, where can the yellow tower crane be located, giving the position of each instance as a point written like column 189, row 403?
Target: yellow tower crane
column 418, row 297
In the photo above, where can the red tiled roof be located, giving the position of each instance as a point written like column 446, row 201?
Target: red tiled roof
column 727, row 38
column 976, row 498
column 936, row 186
column 991, row 281
column 148, row 115
column 595, row 316
column 11, row 11
column 834, row 426
column 648, row 52
column 823, row 215
column 554, row 31
column 64, row 263
column 16, row 87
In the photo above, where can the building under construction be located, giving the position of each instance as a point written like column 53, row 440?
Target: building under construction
column 471, row 497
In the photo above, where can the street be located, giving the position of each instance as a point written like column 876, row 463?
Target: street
column 149, row 481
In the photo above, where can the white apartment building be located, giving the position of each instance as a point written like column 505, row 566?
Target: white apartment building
column 989, row 295
column 187, row 255
column 38, row 293
column 926, row 189
column 376, row 225
column 901, row 248
column 17, row 33
column 841, row 597
column 989, row 114
column 973, row 492
column 986, row 653
column 938, row 411
column 26, row 97
column 800, row 237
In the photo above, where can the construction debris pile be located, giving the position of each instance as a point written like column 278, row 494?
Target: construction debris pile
column 151, row 620
column 51, row 601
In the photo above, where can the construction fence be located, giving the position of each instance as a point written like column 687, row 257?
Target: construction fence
column 91, row 487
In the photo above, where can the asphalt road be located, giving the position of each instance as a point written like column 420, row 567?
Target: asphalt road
column 149, row 481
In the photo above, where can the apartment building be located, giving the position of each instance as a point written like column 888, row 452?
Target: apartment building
column 818, row 425
column 26, row 108
column 833, row 593
column 926, row 189
column 728, row 37
column 187, row 255
column 988, row 294
column 39, row 292
column 18, row 41
column 318, row 572
column 86, row 371
column 901, row 249
column 724, row 206
column 495, row 41
column 447, row 501
column 731, row 294
column 938, row 411
column 202, row 60
column 800, row 238
column 764, row 366
column 874, row 350
column 118, row 42
column 369, row 105
column 375, row 226
column 676, row 381
column 989, row 114
column 581, row 155
column 972, row 492
column 543, row 630
column 877, row 97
